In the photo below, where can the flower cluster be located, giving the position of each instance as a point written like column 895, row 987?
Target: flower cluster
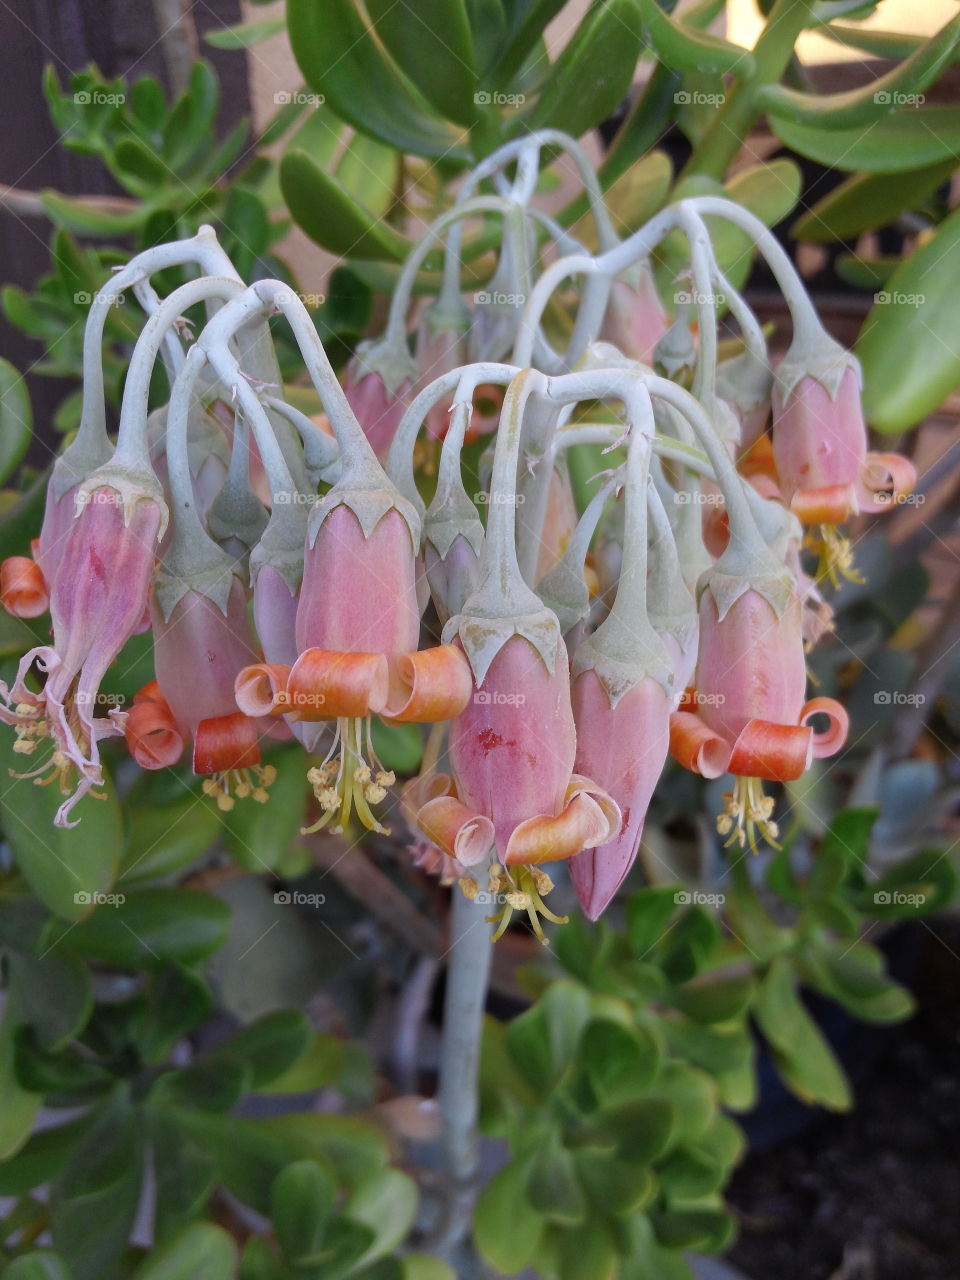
column 289, row 567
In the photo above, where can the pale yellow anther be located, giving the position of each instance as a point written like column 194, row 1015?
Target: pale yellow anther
column 468, row 887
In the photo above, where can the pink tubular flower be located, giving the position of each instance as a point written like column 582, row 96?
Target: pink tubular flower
column 512, row 751
column 98, row 600
column 825, row 472
column 623, row 744
column 198, row 652
column 378, row 410
column 357, row 631
column 635, row 320
column 750, row 717
column 25, row 584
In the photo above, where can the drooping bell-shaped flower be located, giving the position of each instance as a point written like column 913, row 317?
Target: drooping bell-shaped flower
column 635, row 318
column 452, row 531
column 623, row 694
column 745, row 383
column 357, row 633
column 199, row 648
column 378, row 385
column 748, row 714
column 825, row 471
column 98, row 600
column 512, row 747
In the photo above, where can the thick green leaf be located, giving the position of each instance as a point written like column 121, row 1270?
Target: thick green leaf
column 866, row 273
column 803, row 1057
column 152, row 927
column 302, row 1201
column 100, row 1185
column 433, row 46
column 642, row 1130
column 259, row 835
column 385, row 1201
column 543, row 1040
column 855, row 977
column 41, row 1156
column 526, row 30
column 93, row 216
column 714, row 997
column 420, row 1266
column 210, row 1084
column 867, row 201
column 649, row 912
column 244, row 34
column 16, row 418
column 684, row 48
column 553, row 1188
column 587, row 1253
column 41, row 1265
column 20, row 1106
column 506, row 1228
column 617, row 1063
column 164, row 838
column 67, row 869
column 179, row 1000
column 369, row 171
column 908, row 346
column 54, row 994
column 198, row 1250
column 340, row 59
column 398, row 746
column 682, row 1228
column 185, row 1174
column 897, row 143
column 331, row 217
column 862, row 107
column 881, row 44
column 319, row 1065
column 269, row 1046
column 251, row 1153
column 614, row 1185
column 920, row 884
column 594, row 71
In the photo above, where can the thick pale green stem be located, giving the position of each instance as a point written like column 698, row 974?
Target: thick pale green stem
column 467, row 977
column 738, row 115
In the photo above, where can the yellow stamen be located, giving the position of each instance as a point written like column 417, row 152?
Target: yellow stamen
column 747, row 812
column 521, row 888
column 346, row 781
column 231, row 785
column 835, row 552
